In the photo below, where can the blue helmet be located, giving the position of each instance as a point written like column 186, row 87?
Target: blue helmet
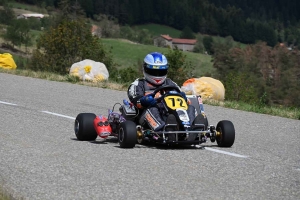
column 155, row 68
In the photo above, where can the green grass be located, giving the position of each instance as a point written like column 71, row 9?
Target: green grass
column 156, row 30
column 20, row 8
column 35, row 35
column 4, row 195
column 128, row 54
column 223, row 40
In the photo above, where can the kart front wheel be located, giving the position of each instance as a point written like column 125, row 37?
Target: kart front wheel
column 225, row 133
column 84, row 127
column 127, row 134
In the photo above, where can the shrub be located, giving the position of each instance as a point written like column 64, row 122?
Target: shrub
column 179, row 68
column 67, row 42
column 7, row 15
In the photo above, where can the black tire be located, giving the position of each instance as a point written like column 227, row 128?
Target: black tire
column 225, row 133
column 127, row 134
column 84, row 127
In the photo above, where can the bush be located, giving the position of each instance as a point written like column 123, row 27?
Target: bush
column 68, row 42
column 259, row 74
column 7, row 15
column 179, row 68
column 18, row 33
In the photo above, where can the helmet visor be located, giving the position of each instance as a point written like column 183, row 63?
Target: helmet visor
column 156, row 72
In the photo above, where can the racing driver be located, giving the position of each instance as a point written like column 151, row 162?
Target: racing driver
column 155, row 69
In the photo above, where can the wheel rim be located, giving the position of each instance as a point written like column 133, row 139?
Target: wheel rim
column 219, row 135
column 139, row 136
column 76, row 127
column 121, row 135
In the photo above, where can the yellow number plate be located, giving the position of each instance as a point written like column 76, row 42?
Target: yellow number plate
column 174, row 102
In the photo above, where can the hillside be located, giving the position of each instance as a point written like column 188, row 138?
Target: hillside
column 127, row 54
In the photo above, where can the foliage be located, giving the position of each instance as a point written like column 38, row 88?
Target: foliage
column 199, row 47
column 68, row 42
column 158, row 29
column 245, row 22
column 125, row 75
column 208, row 43
column 7, row 15
column 34, row 23
column 142, row 36
column 270, row 75
column 179, row 68
column 18, row 33
column 47, row 22
column 187, row 33
column 107, row 28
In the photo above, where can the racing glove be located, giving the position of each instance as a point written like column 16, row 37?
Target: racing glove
column 148, row 100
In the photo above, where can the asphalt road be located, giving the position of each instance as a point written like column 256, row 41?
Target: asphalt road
column 40, row 157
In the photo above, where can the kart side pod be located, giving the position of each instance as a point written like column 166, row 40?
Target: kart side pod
column 102, row 126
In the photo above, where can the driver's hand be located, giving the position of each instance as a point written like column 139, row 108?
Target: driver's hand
column 157, row 95
column 148, row 100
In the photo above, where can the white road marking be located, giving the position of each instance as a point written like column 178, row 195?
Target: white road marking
column 225, row 152
column 7, row 103
column 60, row 115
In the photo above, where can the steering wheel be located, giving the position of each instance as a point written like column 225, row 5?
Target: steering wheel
column 165, row 88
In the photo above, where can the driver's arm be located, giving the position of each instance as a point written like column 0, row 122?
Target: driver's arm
column 136, row 92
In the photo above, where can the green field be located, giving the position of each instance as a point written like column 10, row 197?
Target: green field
column 128, row 54
column 156, row 30
column 21, row 8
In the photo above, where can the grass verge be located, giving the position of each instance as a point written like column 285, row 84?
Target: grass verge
column 4, row 194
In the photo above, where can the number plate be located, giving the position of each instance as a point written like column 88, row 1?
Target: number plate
column 174, row 102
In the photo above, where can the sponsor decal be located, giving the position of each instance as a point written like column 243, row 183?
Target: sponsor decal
column 151, row 121
column 173, row 92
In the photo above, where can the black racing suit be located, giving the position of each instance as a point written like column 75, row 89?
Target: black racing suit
column 151, row 116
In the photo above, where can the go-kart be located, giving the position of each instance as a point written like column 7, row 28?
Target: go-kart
column 125, row 126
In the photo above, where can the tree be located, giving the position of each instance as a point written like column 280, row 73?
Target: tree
column 187, row 33
column 67, row 41
column 179, row 66
column 7, row 15
column 208, row 43
column 199, row 47
column 18, row 33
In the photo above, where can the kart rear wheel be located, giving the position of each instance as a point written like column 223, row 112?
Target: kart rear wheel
column 84, row 127
column 225, row 133
column 127, row 134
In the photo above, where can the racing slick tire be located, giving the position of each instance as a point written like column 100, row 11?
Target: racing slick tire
column 225, row 133
column 84, row 127
column 127, row 134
